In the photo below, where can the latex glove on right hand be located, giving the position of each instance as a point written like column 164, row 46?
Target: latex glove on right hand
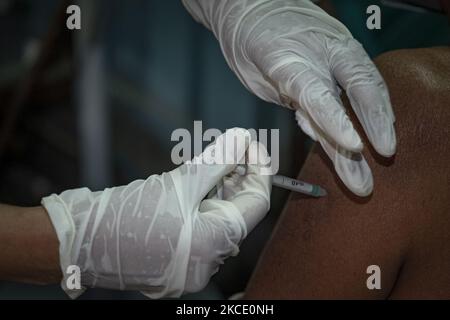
column 161, row 235
column 292, row 53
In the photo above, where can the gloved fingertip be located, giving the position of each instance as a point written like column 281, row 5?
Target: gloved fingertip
column 229, row 148
column 347, row 137
column 375, row 113
column 354, row 173
column 257, row 154
column 386, row 143
column 238, row 132
column 351, row 141
column 362, row 191
column 360, row 187
column 329, row 116
column 240, row 138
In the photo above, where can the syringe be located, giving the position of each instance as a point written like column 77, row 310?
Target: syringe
column 291, row 184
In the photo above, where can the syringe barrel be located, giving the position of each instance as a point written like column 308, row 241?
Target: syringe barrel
column 291, row 184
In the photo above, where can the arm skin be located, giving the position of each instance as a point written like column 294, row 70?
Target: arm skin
column 321, row 249
column 28, row 246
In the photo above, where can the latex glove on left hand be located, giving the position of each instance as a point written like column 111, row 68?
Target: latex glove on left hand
column 292, row 53
column 160, row 235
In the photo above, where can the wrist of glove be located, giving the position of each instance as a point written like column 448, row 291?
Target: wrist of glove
column 292, row 53
column 161, row 235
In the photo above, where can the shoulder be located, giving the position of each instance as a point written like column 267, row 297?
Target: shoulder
column 429, row 67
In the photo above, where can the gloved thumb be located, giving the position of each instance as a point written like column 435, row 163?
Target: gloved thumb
column 250, row 193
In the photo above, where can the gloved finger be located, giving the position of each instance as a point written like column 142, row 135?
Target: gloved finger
column 250, row 193
column 300, row 83
column 352, row 168
column 223, row 222
column 368, row 93
column 226, row 217
column 195, row 179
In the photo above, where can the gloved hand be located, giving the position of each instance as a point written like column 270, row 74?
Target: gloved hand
column 292, row 53
column 160, row 235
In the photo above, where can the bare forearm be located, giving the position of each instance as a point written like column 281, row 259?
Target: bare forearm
column 28, row 246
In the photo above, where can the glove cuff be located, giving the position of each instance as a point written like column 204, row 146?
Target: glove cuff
column 64, row 226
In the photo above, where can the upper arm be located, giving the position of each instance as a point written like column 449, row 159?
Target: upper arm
column 322, row 247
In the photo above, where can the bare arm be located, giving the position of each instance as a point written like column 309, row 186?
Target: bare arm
column 322, row 248
column 28, row 246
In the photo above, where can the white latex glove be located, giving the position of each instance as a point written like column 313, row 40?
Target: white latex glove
column 292, row 53
column 160, row 235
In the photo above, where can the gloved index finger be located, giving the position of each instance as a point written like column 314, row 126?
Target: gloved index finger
column 351, row 167
column 249, row 190
column 196, row 178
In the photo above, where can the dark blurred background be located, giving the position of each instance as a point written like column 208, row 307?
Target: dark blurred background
column 97, row 107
